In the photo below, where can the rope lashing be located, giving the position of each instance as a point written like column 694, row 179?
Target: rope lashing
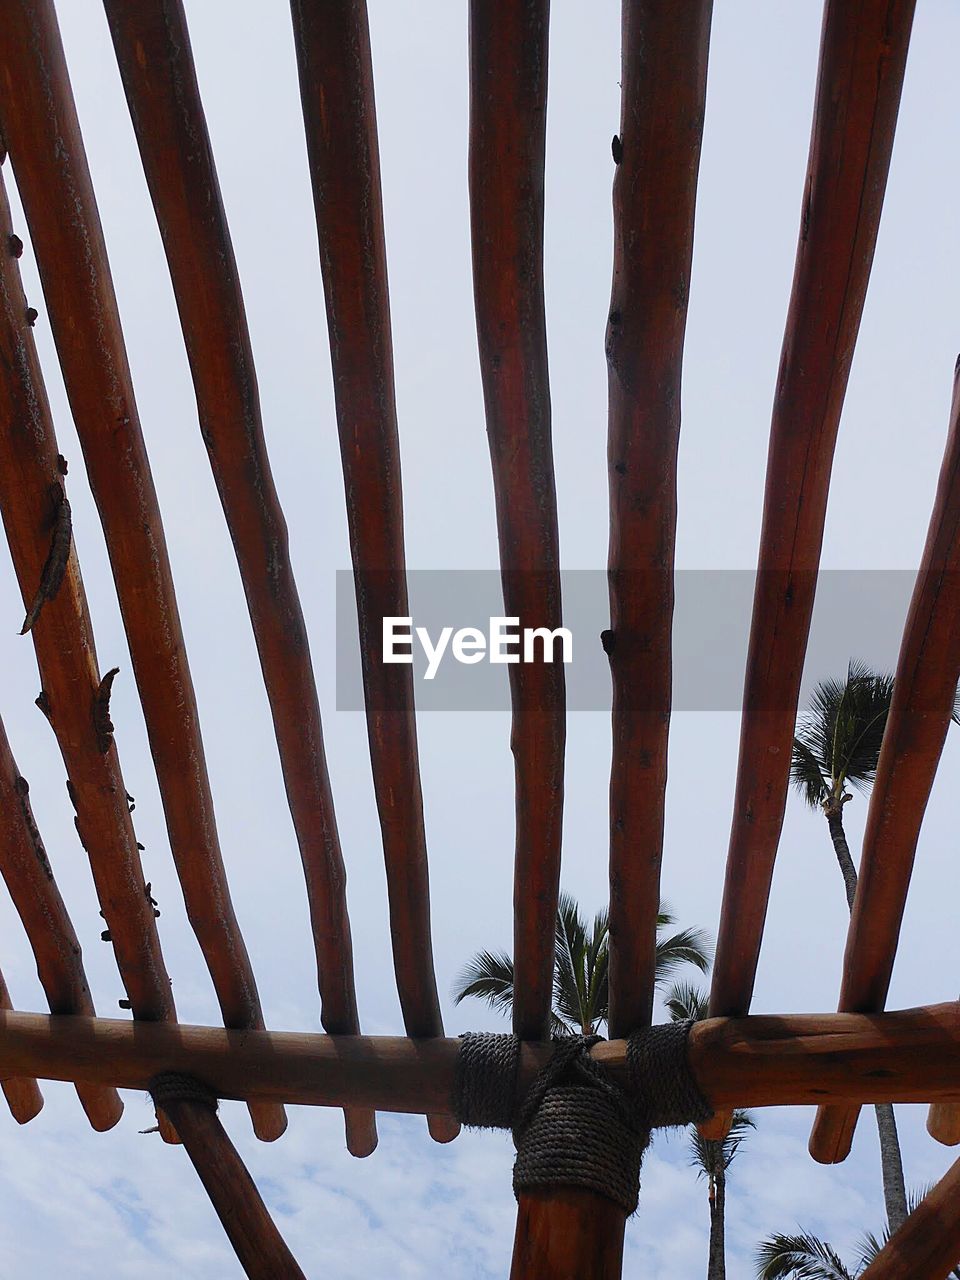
column 575, row 1126
column 176, row 1086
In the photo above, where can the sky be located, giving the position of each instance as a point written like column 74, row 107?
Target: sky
column 69, row 1198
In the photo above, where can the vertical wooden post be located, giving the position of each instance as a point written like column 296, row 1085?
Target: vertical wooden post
column 21, row 1092
column 567, row 1233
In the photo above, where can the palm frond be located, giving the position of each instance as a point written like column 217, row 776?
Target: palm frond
column 689, row 946
column 685, row 1001
column 798, row 1257
column 806, row 774
column 488, row 976
column 838, row 740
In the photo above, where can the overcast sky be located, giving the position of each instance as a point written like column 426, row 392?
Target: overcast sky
column 80, row 1204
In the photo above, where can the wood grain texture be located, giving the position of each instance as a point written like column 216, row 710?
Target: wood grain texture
column 664, row 56
column 29, row 878
column 336, row 88
column 928, row 671
column 42, row 132
column 153, row 50
column 22, row 1093
column 927, row 1246
column 259, row 1246
column 567, row 1234
column 862, row 58
column 508, row 107
column 790, row 1060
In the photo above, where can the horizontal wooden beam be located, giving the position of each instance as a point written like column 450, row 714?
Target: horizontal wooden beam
column 789, row 1060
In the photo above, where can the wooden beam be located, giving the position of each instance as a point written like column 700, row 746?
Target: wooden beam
column 22, row 1093
column 508, row 116
column 567, row 1234
column 863, row 53
column 664, row 73
column 336, row 88
column 790, row 1060
column 258, row 1244
column 41, row 129
column 927, row 1246
column 152, row 44
column 928, row 670
column 29, row 878
column 32, row 493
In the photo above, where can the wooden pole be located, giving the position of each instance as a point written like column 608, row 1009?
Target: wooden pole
column 258, row 1244
column 508, row 111
column 21, row 1092
column 40, row 126
column 794, row 1060
column 664, row 74
column 335, row 67
column 152, row 44
column 928, row 668
column 567, row 1234
column 30, row 882
column 863, row 55
column 927, row 1245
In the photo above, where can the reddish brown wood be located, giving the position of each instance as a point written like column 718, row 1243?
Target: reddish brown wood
column 792, row 1060
column 508, row 106
column 943, row 1123
column 41, row 129
column 152, row 44
column 928, row 670
column 862, row 58
column 22, row 1093
column 567, row 1234
column 28, row 875
column 927, row 1246
column 654, row 195
column 30, row 487
column 336, row 87
column 258, row 1244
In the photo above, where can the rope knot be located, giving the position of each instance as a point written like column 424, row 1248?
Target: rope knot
column 575, row 1126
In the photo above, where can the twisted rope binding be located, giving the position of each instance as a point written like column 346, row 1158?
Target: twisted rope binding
column 575, row 1127
column 485, row 1089
column 663, row 1086
column 176, row 1086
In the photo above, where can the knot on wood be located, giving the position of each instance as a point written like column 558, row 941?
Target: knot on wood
column 101, row 711
column 576, row 1126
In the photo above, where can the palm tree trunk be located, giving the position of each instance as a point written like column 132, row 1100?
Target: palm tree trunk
column 834, row 814
column 891, row 1161
column 716, row 1256
column 894, row 1191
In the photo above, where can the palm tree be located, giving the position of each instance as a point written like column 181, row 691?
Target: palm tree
column 580, row 989
column 712, row 1158
column 838, row 745
column 804, row 1256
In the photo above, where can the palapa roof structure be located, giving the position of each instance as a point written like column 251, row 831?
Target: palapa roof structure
column 858, row 1056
